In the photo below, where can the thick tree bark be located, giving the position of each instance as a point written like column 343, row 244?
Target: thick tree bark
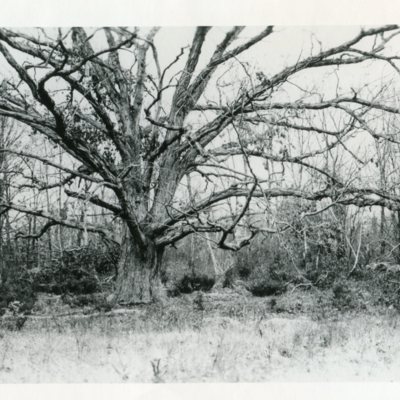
column 139, row 278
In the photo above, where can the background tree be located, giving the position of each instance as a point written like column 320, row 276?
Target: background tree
column 8, row 137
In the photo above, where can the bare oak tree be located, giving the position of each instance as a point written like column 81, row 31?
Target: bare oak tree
column 138, row 133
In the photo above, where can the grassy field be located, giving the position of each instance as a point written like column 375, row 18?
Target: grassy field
column 220, row 337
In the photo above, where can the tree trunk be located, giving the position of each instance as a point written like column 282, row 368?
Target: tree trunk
column 396, row 223
column 139, row 273
column 382, row 231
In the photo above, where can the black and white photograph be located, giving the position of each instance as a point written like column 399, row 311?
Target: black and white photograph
column 199, row 203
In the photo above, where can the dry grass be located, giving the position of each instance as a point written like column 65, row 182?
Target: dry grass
column 230, row 341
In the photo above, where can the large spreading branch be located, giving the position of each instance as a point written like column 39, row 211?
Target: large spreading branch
column 249, row 100
column 56, row 220
column 187, row 222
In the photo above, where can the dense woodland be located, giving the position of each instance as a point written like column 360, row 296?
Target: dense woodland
column 130, row 174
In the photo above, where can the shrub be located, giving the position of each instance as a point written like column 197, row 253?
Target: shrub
column 238, row 272
column 78, row 270
column 383, row 282
column 229, row 278
column 67, row 278
column 266, row 287
column 190, row 284
column 343, row 296
column 243, row 271
column 266, row 281
column 17, row 287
